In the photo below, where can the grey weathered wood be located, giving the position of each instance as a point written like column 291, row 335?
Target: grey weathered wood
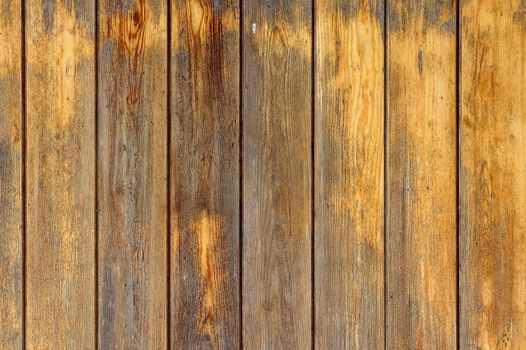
column 277, row 176
column 132, row 175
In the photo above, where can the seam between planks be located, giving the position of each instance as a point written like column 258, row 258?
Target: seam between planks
column 168, row 171
column 458, row 140
column 241, row 174
column 240, row 156
column 96, row 174
column 386, row 159
column 313, row 175
column 24, row 165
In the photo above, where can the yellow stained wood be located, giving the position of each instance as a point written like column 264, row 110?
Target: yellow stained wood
column 205, row 175
column 492, row 178
column 421, row 174
column 60, row 245
column 11, row 134
column 349, row 174
column 277, row 176
column 132, row 174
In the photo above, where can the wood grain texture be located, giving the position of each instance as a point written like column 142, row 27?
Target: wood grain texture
column 132, row 181
column 277, row 177
column 421, row 174
column 205, row 174
column 11, row 134
column 492, row 175
column 60, row 245
column 349, row 174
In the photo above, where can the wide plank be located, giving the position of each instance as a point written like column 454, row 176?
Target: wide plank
column 60, row 243
column 204, row 174
column 493, row 175
column 277, row 174
column 11, row 136
column 132, row 174
column 421, row 209
column 349, row 174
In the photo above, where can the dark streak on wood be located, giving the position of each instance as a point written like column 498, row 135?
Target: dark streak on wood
column 205, row 175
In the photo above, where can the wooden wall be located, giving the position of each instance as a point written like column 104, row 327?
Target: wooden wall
column 262, row 174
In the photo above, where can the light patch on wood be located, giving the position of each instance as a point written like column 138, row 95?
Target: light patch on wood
column 64, row 49
column 135, row 31
column 362, row 126
column 197, row 14
column 9, row 60
column 282, row 36
column 199, row 18
column 208, row 228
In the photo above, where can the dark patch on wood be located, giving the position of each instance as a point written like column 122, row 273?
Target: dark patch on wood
column 420, row 60
column 519, row 16
column 49, row 13
column 435, row 13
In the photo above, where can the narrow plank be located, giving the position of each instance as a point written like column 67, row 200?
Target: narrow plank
column 132, row 188
column 421, row 227
column 132, row 149
column 492, row 175
column 349, row 174
column 11, row 309
column 277, row 177
column 60, row 245
column 204, row 174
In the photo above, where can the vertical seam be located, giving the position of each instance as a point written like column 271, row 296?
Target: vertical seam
column 23, row 171
column 386, row 162
column 168, row 172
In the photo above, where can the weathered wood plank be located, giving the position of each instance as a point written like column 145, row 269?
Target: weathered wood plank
column 492, row 175
column 11, row 134
column 277, row 177
column 205, row 174
column 349, row 174
column 421, row 228
column 60, row 275
column 132, row 150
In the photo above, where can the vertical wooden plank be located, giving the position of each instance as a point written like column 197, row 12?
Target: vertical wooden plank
column 11, row 174
column 492, row 175
column 421, row 228
column 205, row 174
column 60, row 275
column 132, row 172
column 349, row 174
column 277, row 177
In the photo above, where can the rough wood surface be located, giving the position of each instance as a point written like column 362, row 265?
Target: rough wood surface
column 132, row 181
column 277, row 177
column 11, row 134
column 492, row 177
column 205, row 174
column 421, row 174
column 60, row 245
column 349, row 174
